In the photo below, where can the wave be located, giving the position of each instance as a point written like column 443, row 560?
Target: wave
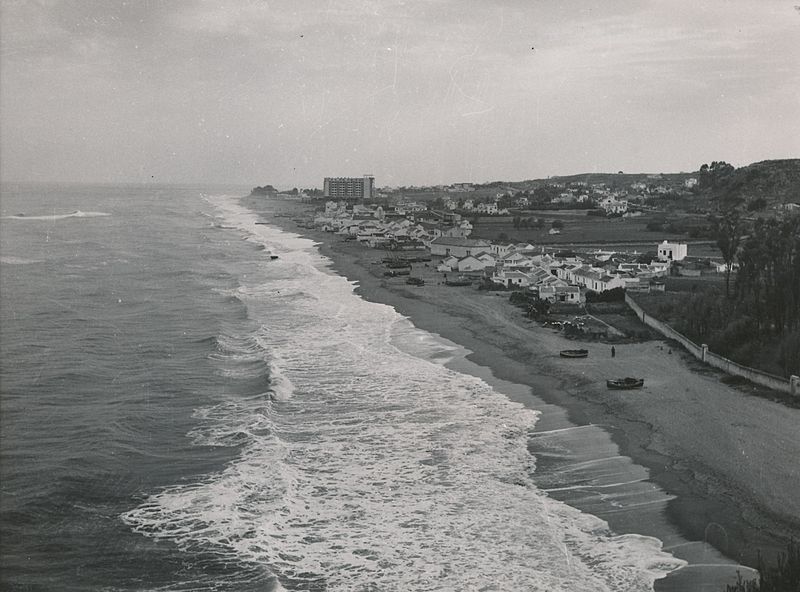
column 19, row 261
column 53, row 217
column 367, row 464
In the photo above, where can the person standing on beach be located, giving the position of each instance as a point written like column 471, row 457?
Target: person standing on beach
column 613, row 351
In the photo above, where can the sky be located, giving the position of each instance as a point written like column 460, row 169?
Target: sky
column 415, row 92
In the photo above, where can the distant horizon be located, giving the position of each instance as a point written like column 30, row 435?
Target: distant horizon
column 281, row 187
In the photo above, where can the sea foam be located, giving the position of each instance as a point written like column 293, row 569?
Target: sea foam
column 368, row 465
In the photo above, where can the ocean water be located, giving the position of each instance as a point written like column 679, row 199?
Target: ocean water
column 180, row 411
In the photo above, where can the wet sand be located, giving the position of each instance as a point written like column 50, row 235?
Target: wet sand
column 707, row 469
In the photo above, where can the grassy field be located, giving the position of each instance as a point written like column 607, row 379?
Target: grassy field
column 578, row 228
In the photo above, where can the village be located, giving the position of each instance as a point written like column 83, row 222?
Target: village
column 409, row 233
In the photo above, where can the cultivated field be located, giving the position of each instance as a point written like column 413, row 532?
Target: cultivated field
column 580, row 229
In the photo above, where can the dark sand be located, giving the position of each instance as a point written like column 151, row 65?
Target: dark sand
column 707, row 469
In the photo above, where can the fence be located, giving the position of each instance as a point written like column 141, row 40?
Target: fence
column 701, row 352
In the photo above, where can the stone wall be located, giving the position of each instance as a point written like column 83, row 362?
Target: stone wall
column 702, row 353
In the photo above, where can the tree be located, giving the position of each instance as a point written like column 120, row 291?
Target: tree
column 757, row 204
column 716, row 176
column 727, row 229
column 557, row 224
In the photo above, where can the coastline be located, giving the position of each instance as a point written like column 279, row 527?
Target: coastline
column 708, row 448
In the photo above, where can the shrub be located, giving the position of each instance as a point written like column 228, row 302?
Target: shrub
column 789, row 353
column 785, row 577
column 613, row 295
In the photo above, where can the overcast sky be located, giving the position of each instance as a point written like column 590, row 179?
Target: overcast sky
column 415, row 92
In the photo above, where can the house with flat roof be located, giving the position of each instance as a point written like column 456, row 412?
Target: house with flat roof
column 668, row 251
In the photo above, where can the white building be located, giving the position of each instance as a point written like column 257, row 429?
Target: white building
column 614, row 206
column 672, row 251
column 460, row 247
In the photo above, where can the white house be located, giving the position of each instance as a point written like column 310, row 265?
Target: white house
column 471, row 263
column 501, row 250
column 568, row 294
column 458, row 246
column 448, row 264
column 488, row 259
column 511, row 279
column 672, row 251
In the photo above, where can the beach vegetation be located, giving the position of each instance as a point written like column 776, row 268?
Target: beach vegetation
column 782, row 577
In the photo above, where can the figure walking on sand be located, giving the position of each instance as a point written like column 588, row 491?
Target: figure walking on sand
column 613, row 351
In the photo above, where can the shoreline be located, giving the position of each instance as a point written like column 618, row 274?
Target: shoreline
column 692, row 492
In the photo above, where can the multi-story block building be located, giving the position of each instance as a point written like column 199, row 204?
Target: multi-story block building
column 349, row 188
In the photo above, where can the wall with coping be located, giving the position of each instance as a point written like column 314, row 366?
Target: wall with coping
column 702, row 353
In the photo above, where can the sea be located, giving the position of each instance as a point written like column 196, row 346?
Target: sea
column 191, row 401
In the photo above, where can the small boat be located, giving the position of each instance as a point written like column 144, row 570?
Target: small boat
column 574, row 353
column 626, row 383
column 273, row 257
column 415, row 281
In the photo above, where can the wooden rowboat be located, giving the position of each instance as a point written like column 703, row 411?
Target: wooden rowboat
column 625, row 383
column 574, row 353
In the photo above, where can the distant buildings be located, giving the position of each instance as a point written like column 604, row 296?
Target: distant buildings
column 612, row 205
column 349, row 188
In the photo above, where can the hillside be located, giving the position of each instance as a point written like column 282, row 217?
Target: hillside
column 776, row 181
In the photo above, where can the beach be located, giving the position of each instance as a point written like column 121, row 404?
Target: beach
column 715, row 457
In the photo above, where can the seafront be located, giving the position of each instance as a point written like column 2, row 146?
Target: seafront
column 713, row 451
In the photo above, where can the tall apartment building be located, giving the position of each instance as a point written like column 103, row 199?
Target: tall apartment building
column 349, row 188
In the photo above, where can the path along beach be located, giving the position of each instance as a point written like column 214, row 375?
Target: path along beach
column 711, row 471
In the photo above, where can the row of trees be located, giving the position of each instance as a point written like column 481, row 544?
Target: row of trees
column 762, row 307
column 539, row 223
column 768, row 281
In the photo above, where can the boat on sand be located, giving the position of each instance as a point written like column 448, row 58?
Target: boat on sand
column 574, row 353
column 626, row 383
column 459, row 281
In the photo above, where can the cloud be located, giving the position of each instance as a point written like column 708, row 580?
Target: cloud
column 445, row 88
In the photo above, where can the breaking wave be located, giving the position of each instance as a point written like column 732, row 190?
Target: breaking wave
column 53, row 217
column 365, row 464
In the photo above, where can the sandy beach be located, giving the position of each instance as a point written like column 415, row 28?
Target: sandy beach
column 711, row 471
